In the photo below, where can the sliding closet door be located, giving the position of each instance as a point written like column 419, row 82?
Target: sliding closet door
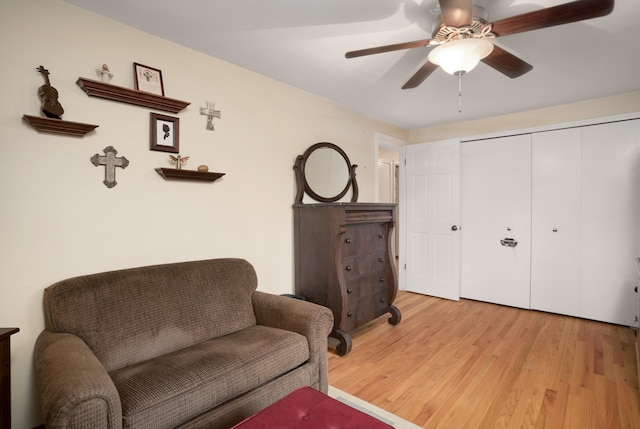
column 610, row 221
column 571, row 198
column 556, row 221
column 496, row 204
column 586, row 221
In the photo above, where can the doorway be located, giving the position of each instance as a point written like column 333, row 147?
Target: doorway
column 387, row 185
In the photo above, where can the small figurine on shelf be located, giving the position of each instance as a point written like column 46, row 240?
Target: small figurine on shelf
column 104, row 74
column 178, row 160
column 203, row 168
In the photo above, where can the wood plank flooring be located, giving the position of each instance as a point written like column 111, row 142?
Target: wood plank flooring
column 467, row 364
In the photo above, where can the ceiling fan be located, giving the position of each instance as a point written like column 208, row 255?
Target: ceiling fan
column 463, row 38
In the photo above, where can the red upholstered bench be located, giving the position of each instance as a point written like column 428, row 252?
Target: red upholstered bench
column 306, row 408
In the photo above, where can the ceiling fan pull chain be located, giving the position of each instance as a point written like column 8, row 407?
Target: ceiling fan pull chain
column 459, row 92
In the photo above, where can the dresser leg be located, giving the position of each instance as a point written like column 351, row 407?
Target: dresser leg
column 345, row 342
column 396, row 316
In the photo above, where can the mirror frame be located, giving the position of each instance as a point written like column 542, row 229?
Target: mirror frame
column 303, row 185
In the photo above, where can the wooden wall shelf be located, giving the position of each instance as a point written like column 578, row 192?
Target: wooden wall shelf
column 94, row 88
column 173, row 173
column 58, row 126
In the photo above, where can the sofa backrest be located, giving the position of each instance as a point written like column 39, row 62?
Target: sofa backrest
column 132, row 315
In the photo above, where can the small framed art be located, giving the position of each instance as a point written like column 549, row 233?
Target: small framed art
column 148, row 79
column 165, row 133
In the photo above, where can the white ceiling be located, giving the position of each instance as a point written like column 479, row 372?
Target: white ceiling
column 302, row 43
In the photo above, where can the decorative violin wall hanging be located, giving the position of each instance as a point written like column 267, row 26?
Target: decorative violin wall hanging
column 50, row 106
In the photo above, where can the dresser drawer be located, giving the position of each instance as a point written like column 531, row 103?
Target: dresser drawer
column 367, row 286
column 363, row 310
column 356, row 266
column 359, row 239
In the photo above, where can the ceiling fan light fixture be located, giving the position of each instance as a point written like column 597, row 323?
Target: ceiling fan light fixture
column 461, row 56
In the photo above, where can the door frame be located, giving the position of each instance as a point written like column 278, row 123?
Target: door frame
column 383, row 141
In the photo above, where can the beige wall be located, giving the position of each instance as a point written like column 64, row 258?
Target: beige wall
column 58, row 219
column 584, row 110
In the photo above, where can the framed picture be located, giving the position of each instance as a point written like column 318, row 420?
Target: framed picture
column 165, row 133
column 148, row 79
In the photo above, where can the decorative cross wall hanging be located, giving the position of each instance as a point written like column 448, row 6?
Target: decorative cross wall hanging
column 110, row 162
column 211, row 113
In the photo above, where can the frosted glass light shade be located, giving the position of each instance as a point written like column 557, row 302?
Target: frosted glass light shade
column 460, row 56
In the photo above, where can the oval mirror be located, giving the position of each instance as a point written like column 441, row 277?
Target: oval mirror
column 325, row 173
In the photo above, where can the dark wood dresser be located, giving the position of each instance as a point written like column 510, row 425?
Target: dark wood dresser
column 5, row 376
column 344, row 261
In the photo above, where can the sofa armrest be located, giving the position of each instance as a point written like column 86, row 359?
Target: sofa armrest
column 311, row 320
column 75, row 389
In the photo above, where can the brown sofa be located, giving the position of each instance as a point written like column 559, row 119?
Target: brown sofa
column 185, row 345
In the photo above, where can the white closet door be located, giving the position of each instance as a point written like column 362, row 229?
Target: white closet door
column 495, row 196
column 610, row 221
column 556, row 231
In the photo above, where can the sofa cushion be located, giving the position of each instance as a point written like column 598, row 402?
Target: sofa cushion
column 133, row 315
column 168, row 390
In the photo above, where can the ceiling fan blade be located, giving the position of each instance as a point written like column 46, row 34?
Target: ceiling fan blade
column 456, row 13
column 574, row 11
column 506, row 63
column 388, row 48
column 420, row 75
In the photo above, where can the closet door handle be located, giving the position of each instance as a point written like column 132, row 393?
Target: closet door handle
column 454, row 228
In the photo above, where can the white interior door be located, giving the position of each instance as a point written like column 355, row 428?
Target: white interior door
column 432, row 186
column 496, row 205
column 556, row 221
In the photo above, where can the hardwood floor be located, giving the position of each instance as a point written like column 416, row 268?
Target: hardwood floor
column 468, row 364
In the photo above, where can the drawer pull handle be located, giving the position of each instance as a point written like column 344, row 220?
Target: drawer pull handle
column 348, row 241
column 348, row 268
column 380, row 235
column 349, row 314
column 349, row 290
column 381, row 299
column 381, row 279
column 380, row 259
